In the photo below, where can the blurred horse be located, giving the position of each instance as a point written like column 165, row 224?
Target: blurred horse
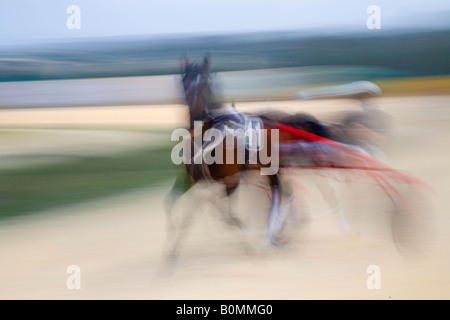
column 366, row 130
column 204, row 110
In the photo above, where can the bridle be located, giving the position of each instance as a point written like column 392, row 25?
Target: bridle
column 193, row 85
column 192, row 92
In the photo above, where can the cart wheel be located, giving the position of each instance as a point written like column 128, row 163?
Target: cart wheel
column 413, row 222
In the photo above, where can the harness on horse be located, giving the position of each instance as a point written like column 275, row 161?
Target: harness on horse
column 227, row 121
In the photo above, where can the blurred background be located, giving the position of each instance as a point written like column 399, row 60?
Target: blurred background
column 90, row 93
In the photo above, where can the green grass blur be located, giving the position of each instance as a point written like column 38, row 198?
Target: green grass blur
column 30, row 190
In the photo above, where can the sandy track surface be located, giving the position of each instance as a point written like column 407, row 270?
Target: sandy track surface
column 119, row 242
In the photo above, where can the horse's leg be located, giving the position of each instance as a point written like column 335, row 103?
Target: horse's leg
column 229, row 214
column 181, row 185
column 330, row 195
column 226, row 209
column 274, row 221
column 179, row 233
column 174, row 235
column 283, row 206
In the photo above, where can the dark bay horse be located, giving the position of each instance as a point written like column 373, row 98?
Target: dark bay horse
column 206, row 114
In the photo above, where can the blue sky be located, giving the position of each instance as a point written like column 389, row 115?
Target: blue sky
column 25, row 21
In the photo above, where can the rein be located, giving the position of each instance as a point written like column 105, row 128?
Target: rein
column 377, row 165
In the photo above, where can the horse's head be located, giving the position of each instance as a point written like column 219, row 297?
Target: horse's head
column 197, row 87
